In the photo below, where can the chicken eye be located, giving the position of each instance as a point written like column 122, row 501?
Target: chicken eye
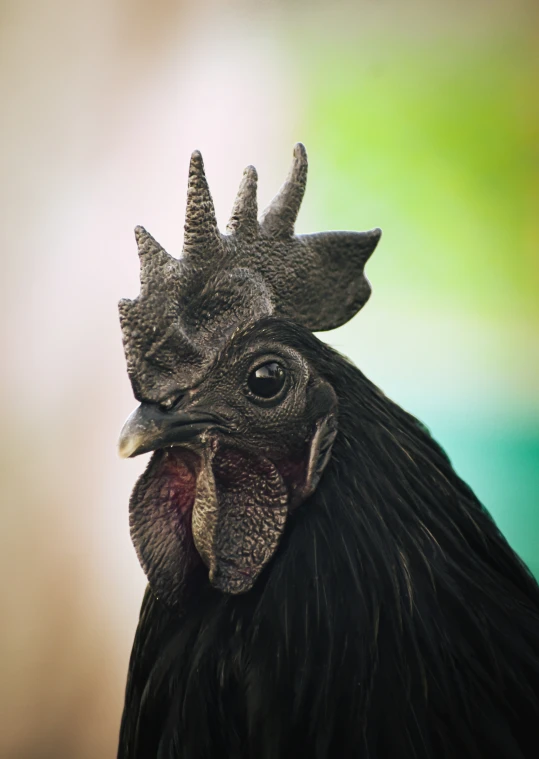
column 267, row 380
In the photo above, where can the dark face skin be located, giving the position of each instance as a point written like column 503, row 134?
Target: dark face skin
column 233, row 456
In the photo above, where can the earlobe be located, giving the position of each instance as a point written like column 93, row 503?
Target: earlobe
column 319, row 456
column 324, row 437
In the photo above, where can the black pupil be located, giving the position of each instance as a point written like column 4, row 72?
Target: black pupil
column 267, row 380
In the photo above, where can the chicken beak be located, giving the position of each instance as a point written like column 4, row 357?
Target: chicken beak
column 149, row 428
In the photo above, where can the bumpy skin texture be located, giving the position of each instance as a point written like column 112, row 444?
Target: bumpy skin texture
column 189, row 347
column 160, row 519
column 188, row 308
column 225, row 496
column 239, row 516
column 223, row 505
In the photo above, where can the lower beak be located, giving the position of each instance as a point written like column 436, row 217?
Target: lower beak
column 149, row 428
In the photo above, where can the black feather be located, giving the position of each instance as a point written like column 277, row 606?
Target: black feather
column 394, row 622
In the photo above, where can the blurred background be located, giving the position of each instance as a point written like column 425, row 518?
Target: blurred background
column 420, row 117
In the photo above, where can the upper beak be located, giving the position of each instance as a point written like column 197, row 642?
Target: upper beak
column 149, row 428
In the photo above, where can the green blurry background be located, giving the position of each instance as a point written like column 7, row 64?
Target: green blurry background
column 420, row 117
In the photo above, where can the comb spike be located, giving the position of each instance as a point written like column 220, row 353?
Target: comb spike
column 280, row 216
column 202, row 238
column 156, row 265
column 243, row 220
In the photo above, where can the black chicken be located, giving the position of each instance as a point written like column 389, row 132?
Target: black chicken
column 321, row 582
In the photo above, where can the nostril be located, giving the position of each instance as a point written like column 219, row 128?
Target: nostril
column 169, row 403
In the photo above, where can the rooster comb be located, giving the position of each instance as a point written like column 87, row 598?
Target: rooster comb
column 189, row 307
